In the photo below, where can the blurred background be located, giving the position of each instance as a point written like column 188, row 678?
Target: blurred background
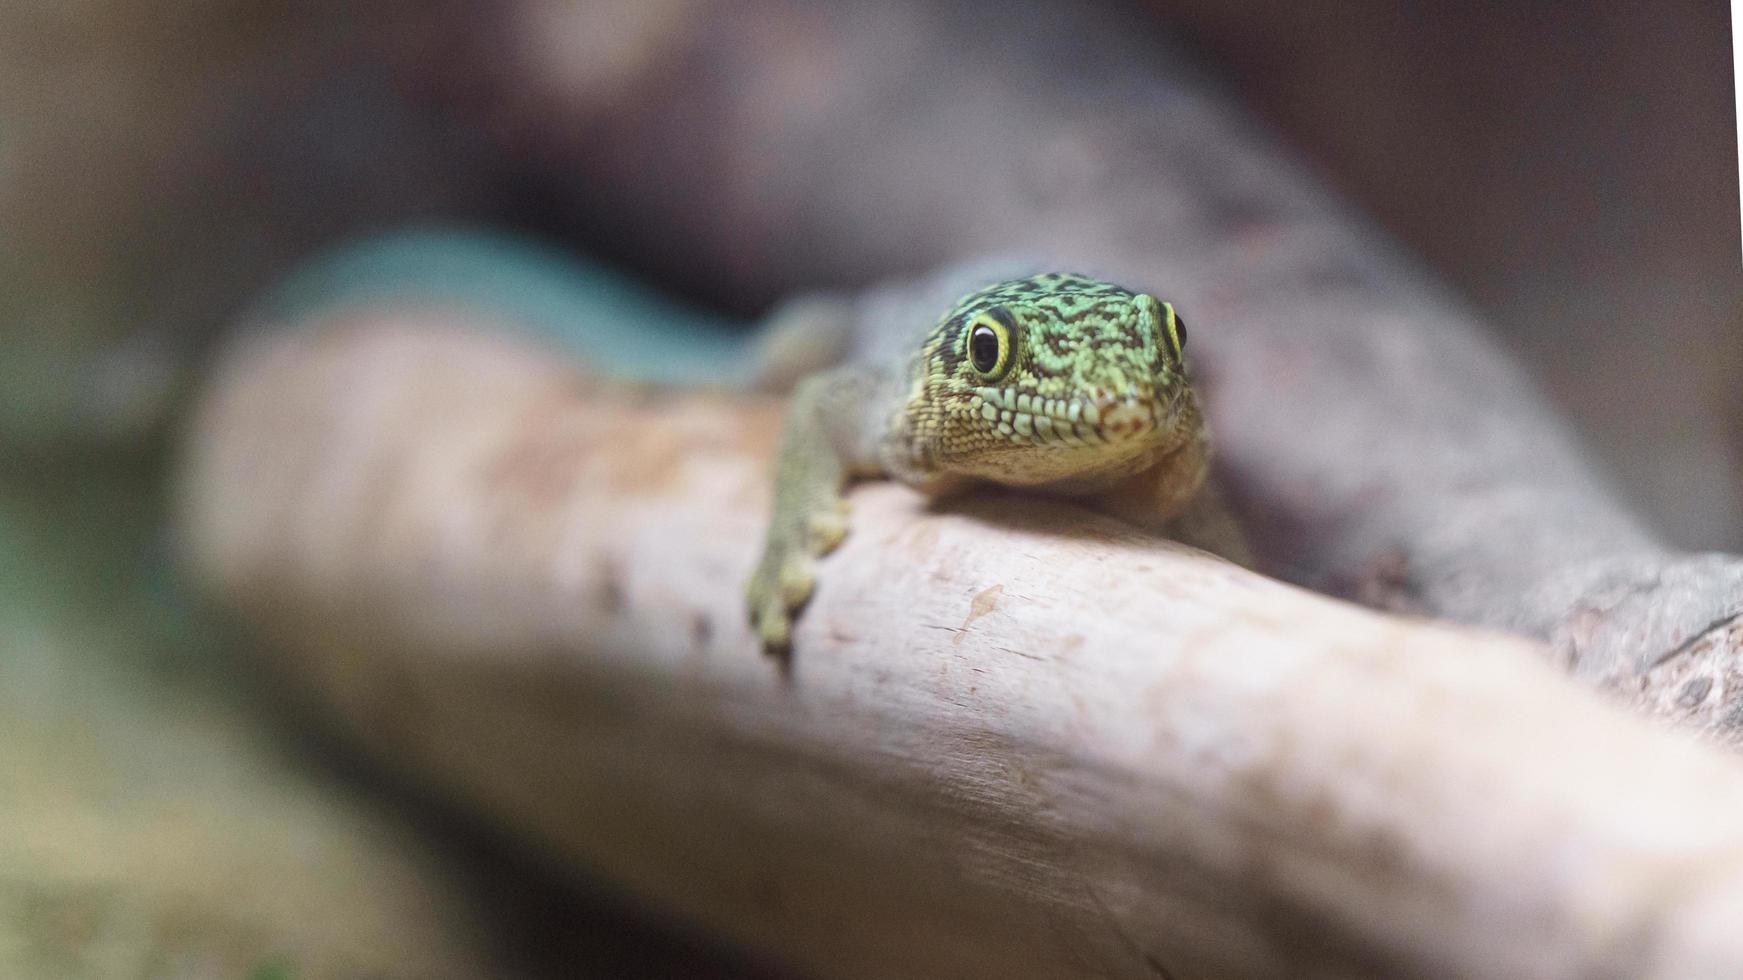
column 1570, row 169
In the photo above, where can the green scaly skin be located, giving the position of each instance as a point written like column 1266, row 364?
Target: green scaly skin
column 1056, row 382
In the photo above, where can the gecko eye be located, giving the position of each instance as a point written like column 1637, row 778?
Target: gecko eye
column 1176, row 329
column 989, row 345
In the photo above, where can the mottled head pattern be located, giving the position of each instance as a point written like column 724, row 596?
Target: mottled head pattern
column 1049, row 378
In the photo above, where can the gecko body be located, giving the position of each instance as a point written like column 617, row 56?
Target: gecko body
column 1057, row 382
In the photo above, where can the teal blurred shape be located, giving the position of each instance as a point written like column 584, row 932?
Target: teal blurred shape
column 609, row 320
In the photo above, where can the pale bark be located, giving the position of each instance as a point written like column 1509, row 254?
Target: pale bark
column 1019, row 740
column 1379, row 443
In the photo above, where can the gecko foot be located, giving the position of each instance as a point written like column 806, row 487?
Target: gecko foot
column 787, row 574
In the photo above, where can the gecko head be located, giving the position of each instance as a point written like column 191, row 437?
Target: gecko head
column 1050, row 378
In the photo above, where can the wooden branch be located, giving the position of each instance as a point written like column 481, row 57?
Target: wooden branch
column 1020, row 740
column 1380, row 444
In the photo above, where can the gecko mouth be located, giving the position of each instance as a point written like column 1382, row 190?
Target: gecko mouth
column 1093, row 421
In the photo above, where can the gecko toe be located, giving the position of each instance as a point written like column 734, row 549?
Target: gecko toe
column 796, row 581
column 826, row 531
column 774, row 627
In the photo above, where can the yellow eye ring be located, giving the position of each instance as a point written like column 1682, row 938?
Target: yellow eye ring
column 987, row 342
column 1176, row 331
column 1173, row 328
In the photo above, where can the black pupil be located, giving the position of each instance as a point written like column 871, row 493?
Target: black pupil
column 983, row 348
column 1180, row 330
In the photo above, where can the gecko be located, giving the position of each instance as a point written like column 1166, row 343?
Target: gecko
column 1058, row 383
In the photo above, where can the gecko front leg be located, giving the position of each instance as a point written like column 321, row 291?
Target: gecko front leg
column 828, row 437
column 1180, row 499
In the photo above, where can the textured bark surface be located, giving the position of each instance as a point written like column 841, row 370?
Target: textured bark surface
column 1381, row 445
column 1020, row 739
